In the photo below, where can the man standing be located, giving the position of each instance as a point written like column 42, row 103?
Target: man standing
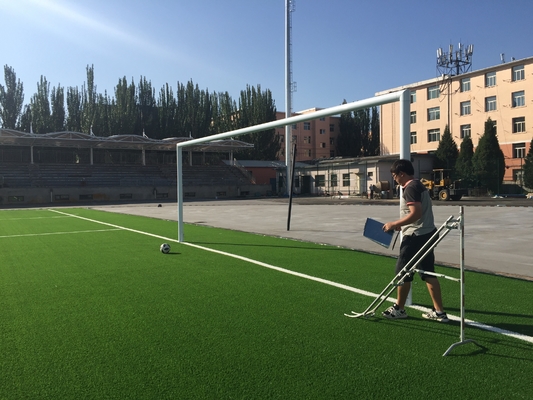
column 417, row 226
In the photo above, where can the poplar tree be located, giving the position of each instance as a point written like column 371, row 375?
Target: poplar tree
column 148, row 108
column 11, row 99
column 73, row 118
column 348, row 140
column 375, row 141
column 167, row 108
column 257, row 107
column 57, row 100
column 40, row 108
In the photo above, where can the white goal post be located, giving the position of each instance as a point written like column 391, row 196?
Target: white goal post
column 405, row 140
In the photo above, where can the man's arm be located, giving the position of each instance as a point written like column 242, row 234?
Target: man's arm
column 415, row 212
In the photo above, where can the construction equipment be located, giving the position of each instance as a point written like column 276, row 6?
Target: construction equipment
column 442, row 187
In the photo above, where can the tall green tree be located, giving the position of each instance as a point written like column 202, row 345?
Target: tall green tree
column 125, row 116
column 89, row 99
column 257, row 107
column 25, row 123
column 73, row 118
column 375, row 140
column 147, row 108
column 224, row 113
column 11, row 99
column 349, row 139
column 362, row 125
column 446, row 153
column 488, row 160
column 41, row 117
column 57, row 101
column 167, row 118
column 463, row 166
column 527, row 169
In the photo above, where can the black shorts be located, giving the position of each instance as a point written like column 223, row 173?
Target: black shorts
column 408, row 249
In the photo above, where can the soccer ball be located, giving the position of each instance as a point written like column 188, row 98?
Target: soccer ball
column 165, row 248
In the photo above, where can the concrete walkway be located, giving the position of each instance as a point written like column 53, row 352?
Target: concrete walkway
column 497, row 239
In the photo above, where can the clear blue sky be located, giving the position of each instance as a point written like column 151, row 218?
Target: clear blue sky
column 342, row 49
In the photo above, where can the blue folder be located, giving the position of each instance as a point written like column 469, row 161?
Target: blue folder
column 374, row 231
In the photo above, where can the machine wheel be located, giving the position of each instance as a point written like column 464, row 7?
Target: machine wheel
column 444, row 195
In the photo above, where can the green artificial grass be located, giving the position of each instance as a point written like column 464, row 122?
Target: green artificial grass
column 88, row 311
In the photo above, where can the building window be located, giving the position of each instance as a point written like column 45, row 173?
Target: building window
column 320, row 180
column 294, row 139
column 519, row 124
column 490, row 103
column 331, row 141
column 345, row 179
column 466, row 131
column 307, row 139
column 333, row 179
column 322, row 131
column 413, row 137
column 434, row 135
column 433, row 113
column 465, row 85
column 295, row 126
column 332, row 127
column 308, row 153
column 433, row 92
column 519, row 99
column 323, row 119
column 465, row 107
column 323, row 145
column 307, row 126
column 413, row 117
column 518, row 73
column 413, row 97
column 519, row 150
column 332, row 153
column 490, row 79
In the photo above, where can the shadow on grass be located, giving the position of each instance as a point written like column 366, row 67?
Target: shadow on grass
column 469, row 349
column 524, row 329
column 325, row 247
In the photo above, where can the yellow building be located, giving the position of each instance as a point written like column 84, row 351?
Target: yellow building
column 503, row 93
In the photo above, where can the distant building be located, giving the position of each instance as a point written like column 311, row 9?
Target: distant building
column 464, row 102
column 314, row 139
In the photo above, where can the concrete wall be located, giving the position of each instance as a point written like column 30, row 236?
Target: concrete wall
column 73, row 195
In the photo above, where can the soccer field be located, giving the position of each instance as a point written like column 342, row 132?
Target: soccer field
column 90, row 308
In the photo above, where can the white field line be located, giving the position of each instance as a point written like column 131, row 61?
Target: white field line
column 57, row 233
column 18, row 219
column 479, row 325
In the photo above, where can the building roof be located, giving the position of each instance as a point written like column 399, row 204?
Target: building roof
column 10, row 137
column 465, row 75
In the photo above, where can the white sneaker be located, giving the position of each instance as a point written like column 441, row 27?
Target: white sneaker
column 437, row 316
column 394, row 312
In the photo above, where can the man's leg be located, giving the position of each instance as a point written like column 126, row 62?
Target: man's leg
column 433, row 286
column 403, row 292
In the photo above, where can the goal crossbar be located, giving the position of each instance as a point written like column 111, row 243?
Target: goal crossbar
column 401, row 96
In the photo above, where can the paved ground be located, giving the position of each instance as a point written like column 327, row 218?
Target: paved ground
column 498, row 232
